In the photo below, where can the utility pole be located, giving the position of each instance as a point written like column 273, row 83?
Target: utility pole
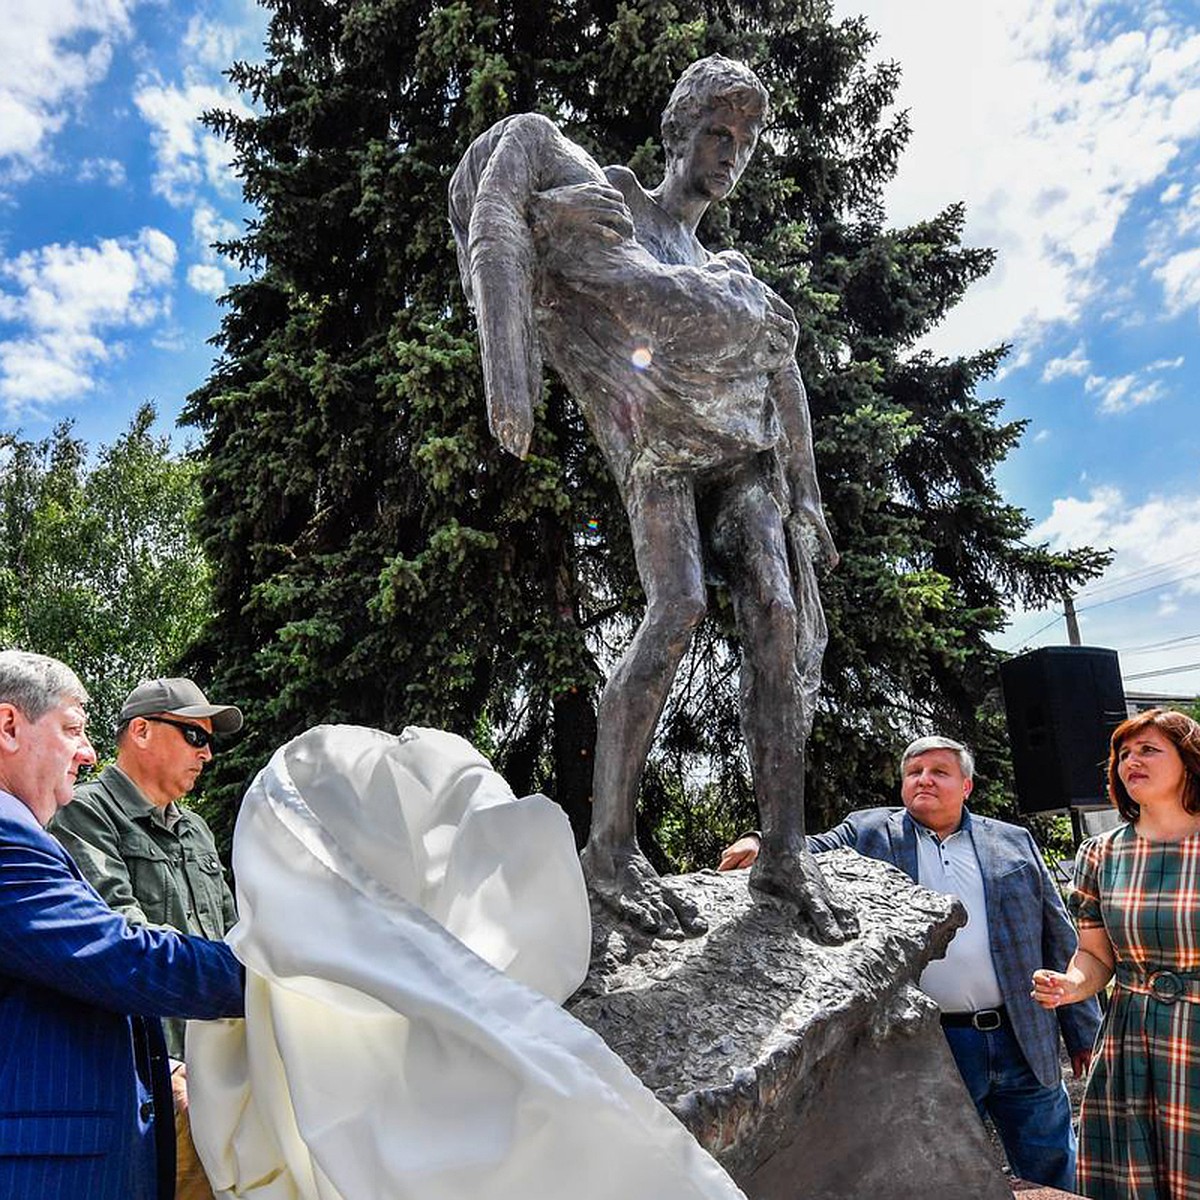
column 1073, row 637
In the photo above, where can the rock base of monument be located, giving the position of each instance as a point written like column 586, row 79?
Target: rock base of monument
column 808, row 1071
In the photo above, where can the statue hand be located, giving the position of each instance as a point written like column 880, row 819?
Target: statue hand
column 590, row 209
column 514, row 430
column 811, row 527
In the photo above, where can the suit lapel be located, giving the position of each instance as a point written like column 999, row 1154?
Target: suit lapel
column 903, row 838
column 986, row 851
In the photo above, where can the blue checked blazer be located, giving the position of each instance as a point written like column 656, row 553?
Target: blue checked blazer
column 83, row 1068
column 1028, row 926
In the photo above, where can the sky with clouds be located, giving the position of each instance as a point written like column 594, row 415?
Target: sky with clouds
column 1071, row 129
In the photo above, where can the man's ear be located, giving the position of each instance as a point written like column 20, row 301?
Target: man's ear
column 968, row 787
column 10, row 724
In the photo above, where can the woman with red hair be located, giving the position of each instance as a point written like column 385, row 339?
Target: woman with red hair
column 1137, row 906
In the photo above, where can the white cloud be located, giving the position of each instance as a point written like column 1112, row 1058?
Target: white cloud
column 1048, row 117
column 210, row 276
column 1042, row 435
column 1075, row 363
column 1133, row 390
column 1159, row 531
column 65, row 300
column 207, row 279
column 51, row 52
column 109, row 171
column 208, row 226
column 1180, row 278
column 213, row 44
column 189, row 158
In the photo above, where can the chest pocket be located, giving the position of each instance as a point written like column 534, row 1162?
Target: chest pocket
column 150, row 877
column 206, row 878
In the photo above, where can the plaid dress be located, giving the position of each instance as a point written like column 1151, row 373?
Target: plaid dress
column 1139, row 1135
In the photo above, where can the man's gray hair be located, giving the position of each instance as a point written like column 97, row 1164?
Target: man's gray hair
column 966, row 760
column 35, row 683
column 707, row 84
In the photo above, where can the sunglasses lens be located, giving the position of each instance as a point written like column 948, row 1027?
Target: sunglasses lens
column 195, row 736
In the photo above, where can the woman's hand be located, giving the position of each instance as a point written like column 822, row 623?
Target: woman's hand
column 1051, row 989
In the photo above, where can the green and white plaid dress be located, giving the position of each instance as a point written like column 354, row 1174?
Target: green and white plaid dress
column 1139, row 1136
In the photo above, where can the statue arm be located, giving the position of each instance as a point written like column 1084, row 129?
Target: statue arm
column 523, row 198
column 806, row 518
column 501, row 257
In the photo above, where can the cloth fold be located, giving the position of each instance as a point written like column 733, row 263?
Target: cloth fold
column 409, row 928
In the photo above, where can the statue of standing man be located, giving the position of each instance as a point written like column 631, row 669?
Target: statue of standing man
column 684, row 366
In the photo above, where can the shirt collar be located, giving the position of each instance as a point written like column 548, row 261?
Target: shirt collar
column 17, row 810
column 134, row 802
column 964, row 826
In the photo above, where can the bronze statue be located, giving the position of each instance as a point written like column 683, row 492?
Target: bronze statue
column 683, row 364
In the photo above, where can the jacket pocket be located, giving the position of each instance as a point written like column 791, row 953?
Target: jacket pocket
column 56, row 1134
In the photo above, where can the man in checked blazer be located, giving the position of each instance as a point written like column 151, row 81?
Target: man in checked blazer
column 85, row 1099
column 1005, row 1045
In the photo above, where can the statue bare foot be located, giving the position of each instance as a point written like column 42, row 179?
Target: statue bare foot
column 794, row 875
column 626, row 882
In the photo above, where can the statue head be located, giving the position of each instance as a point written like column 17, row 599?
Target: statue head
column 711, row 126
column 711, row 85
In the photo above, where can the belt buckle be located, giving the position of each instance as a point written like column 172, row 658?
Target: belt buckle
column 1165, row 986
column 986, row 1020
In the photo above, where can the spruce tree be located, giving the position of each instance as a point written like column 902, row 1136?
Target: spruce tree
column 377, row 558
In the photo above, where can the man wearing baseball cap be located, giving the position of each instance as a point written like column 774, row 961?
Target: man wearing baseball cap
column 153, row 860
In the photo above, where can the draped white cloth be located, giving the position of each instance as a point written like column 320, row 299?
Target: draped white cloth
column 408, row 927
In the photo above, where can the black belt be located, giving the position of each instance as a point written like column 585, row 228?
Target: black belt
column 985, row 1020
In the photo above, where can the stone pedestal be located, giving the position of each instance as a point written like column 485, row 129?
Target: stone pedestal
column 808, row 1071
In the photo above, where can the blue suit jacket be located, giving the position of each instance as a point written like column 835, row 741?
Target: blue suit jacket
column 83, row 1070
column 1028, row 926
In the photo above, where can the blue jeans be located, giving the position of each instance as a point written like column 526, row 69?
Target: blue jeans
column 1032, row 1119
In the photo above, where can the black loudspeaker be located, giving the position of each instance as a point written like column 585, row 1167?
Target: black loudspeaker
column 1062, row 704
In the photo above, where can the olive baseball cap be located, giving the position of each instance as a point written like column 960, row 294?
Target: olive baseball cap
column 180, row 698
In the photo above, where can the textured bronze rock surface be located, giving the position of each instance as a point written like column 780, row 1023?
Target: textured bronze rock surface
column 807, row 1070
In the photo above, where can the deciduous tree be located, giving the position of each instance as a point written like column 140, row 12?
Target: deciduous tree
column 99, row 565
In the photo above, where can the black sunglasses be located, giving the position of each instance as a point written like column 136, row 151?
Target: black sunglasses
column 194, row 735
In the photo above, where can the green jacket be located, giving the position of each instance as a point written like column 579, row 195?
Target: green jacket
column 150, row 873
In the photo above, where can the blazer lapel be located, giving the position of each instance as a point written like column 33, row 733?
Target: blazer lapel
column 903, row 838
column 986, row 851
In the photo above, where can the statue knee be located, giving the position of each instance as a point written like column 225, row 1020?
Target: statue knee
column 773, row 620
column 679, row 614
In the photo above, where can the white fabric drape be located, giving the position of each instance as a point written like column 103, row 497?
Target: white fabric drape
column 408, row 927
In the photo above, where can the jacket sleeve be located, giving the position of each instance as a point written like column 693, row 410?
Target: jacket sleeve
column 91, row 839
column 57, row 933
column 1077, row 1022
column 843, row 836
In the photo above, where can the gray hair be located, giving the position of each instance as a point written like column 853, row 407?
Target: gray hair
column 35, row 683
column 966, row 760
column 711, row 83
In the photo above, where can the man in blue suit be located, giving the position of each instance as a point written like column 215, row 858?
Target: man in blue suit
column 85, row 1098
column 1005, row 1045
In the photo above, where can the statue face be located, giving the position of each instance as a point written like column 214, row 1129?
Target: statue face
column 717, row 151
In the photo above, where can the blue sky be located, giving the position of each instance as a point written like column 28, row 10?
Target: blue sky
column 1071, row 128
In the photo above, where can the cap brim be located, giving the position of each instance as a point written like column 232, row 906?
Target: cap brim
column 225, row 717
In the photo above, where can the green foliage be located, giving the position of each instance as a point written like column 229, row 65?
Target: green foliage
column 98, row 563
column 377, row 559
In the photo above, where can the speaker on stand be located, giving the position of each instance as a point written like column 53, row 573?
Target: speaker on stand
column 1062, row 704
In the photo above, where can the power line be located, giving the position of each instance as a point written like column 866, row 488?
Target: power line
column 1021, row 645
column 1189, row 637
column 1154, row 587
column 1106, row 584
column 1165, row 671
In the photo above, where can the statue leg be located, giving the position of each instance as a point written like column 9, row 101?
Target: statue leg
column 748, row 539
column 666, row 540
